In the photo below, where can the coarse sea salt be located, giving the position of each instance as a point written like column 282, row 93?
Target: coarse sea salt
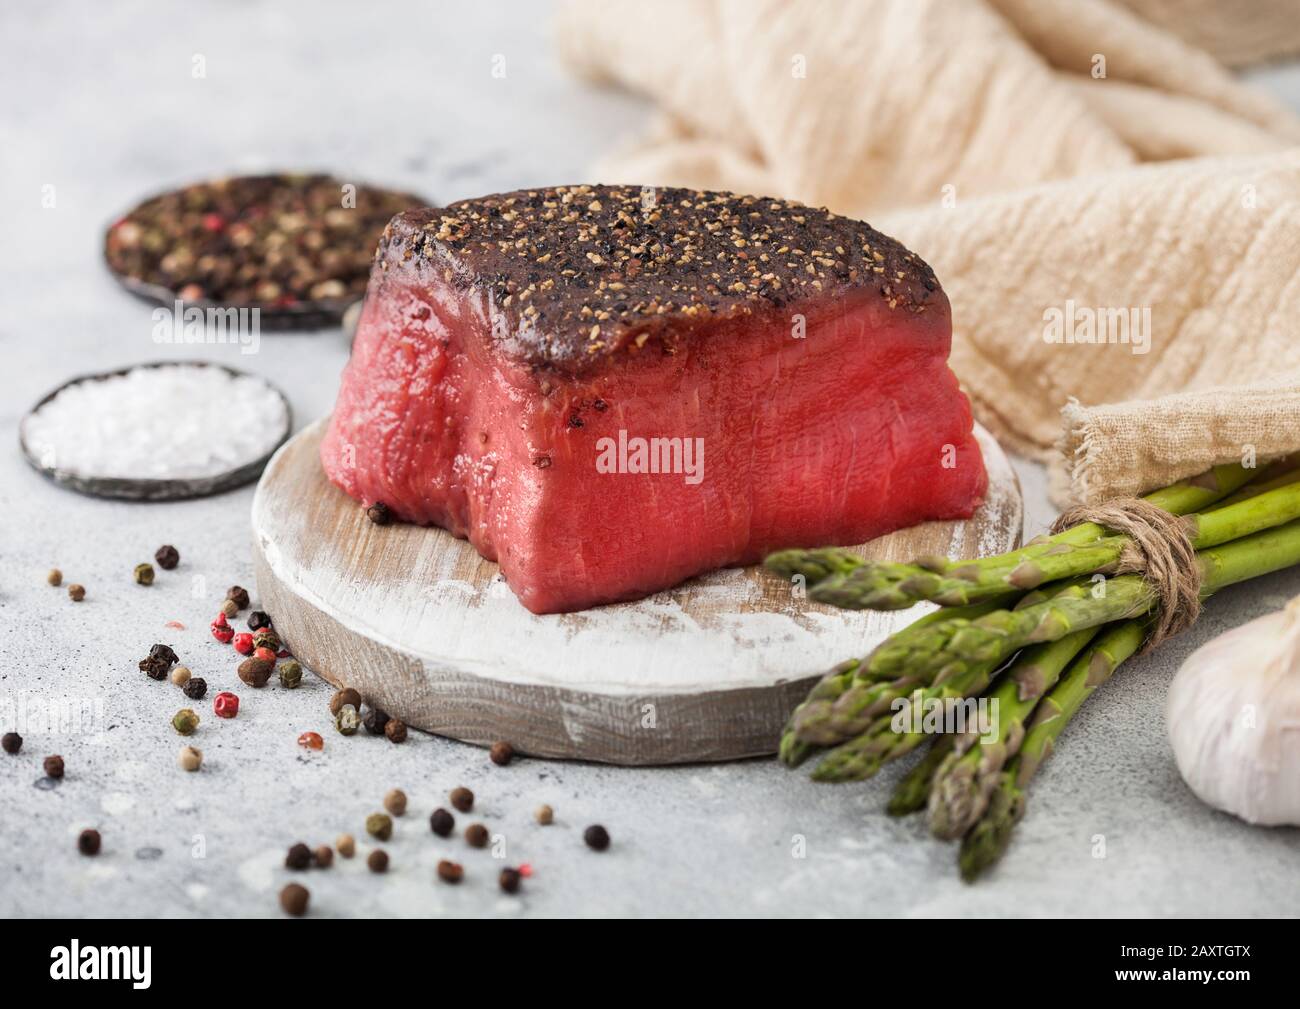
column 165, row 422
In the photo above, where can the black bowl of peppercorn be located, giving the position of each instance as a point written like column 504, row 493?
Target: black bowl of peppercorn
column 296, row 247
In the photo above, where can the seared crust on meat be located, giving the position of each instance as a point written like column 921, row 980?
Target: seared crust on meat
column 574, row 276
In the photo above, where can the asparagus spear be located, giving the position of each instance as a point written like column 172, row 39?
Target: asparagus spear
column 879, row 586
column 986, row 842
column 913, row 790
column 1181, row 498
column 793, row 751
column 965, row 780
column 952, row 644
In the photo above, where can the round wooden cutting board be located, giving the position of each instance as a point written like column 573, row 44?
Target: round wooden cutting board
column 428, row 630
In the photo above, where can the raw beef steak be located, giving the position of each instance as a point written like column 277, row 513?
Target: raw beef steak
column 609, row 389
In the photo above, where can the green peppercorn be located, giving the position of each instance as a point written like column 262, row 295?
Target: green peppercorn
column 347, row 721
column 379, row 825
column 290, row 674
column 267, row 638
column 143, row 574
column 185, row 721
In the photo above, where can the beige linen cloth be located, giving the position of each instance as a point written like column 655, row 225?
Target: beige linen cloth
column 1053, row 160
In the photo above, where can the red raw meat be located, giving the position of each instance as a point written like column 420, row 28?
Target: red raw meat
column 515, row 349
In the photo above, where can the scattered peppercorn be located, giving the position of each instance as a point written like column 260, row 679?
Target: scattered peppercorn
column 266, row 655
column 195, row 687
column 238, row 596
column 294, row 899
column 165, row 653
column 346, row 845
column 243, row 643
column 476, row 835
column 12, row 742
column 375, row 721
column 221, row 629
column 379, row 825
column 88, row 842
column 545, row 815
column 76, row 592
column 345, row 696
column 255, row 672
column 395, row 801
column 450, row 872
column 395, row 730
column 53, row 766
column 501, row 754
column 323, row 856
column 267, row 638
column 379, row 513
column 442, row 822
column 377, row 860
column 258, row 620
column 185, row 721
column 597, row 837
column 311, row 741
column 143, row 574
column 298, row 857
column 228, row 608
column 154, row 667
column 509, row 880
column 191, row 758
column 167, row 557
column 462, row 799
column 347, row 721
column 225, row 704
column 55, row 577
column 290, row 674
column 181, row 675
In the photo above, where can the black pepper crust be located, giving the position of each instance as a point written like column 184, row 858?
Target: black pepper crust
column 577, row 275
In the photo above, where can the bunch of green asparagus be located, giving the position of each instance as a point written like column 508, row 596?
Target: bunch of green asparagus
column 1032, row 633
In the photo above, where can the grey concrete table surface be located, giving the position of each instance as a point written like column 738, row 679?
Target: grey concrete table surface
column 102, row 105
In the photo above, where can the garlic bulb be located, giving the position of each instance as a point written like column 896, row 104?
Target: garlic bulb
column 1234, row 719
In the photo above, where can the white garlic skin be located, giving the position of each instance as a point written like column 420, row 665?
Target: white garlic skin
column 1234, row 719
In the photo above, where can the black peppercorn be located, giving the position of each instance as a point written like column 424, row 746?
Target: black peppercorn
column 377, row 860
column 155, row 669
column 476, row 835
column 165, row 653
column 195, row 687
column 54, row 766
column 238, row 596
column 501, row 754
column 441, row 822
column 12, row 742
column 509, row 880
column 462, row 799
column 257, row 620
column 299, row 857
column 167, row 557
column 88, row 842
column 597, row 837
column 379, row 514
column 395, row 730
column 375, row 721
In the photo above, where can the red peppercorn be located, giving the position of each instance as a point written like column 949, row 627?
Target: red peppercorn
column 220, row 620
column 225, row 704
column 244, row 644
column 311, row 741
column 213, row 222
column 265, row 654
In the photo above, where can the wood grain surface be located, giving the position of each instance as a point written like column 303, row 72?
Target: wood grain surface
column 427, row 629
